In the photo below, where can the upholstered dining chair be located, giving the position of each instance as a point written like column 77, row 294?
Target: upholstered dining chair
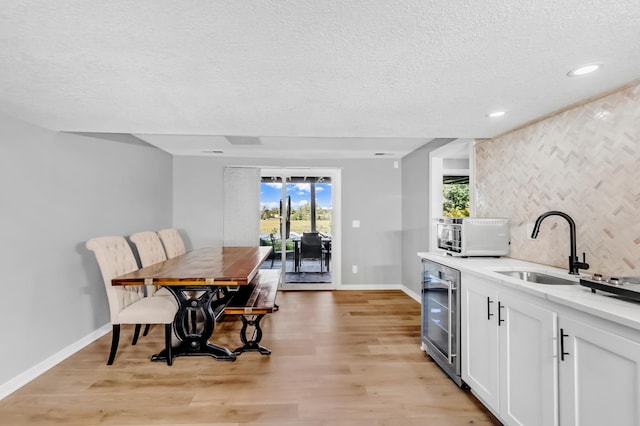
column 174, row 246
column 172, row 241
column 151, row 251
column 128, row 305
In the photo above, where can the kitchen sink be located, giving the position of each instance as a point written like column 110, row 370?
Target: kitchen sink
column 537, row 277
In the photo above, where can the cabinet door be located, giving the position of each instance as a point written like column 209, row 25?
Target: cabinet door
column 528, row 367
column 599, row 376
column 480, row 339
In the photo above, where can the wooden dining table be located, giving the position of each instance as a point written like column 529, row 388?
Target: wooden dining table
column 200, row 281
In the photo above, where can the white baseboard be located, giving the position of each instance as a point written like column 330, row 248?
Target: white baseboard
column 412, row 294
column 25, row 377
column 370, row 287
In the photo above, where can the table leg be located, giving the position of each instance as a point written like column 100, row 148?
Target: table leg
column 194, row 325
column 252, row 344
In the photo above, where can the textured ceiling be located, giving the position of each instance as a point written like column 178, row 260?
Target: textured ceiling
column 308, row 77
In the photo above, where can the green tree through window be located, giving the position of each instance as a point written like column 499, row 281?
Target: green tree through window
column 455, row 199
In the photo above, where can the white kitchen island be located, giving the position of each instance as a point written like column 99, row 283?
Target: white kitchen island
column 539, row 354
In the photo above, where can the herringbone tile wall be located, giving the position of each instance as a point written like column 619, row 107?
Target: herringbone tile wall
column 584, row 162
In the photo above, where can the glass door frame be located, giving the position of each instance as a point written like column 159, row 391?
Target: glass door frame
column 336, row 240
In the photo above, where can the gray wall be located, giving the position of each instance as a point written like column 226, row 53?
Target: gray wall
column 415, row 211
column 371, row 193
column 59, row 190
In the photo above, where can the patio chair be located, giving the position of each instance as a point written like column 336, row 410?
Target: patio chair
column 277, row 252
column 311, row 247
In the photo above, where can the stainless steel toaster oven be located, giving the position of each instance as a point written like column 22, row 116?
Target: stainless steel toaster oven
column 474, row 236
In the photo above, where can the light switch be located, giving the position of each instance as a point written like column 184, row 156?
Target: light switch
column 356, row 224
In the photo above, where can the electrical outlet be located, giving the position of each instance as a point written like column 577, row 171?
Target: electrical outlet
column 354, row 269
column 355, row 224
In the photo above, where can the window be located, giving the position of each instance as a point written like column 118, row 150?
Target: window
column 310, row 203
column 455, row 196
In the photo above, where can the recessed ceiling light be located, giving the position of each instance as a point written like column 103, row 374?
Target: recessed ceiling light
column 496, row 114
column 584, row 69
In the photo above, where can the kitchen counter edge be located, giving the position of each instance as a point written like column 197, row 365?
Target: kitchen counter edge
column 578, row 297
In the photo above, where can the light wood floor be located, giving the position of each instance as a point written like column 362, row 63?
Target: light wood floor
column 339, row 358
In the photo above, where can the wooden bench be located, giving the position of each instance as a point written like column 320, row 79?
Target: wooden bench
column 252, row 302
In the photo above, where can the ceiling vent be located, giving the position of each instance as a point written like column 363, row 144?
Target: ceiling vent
column 243, row 140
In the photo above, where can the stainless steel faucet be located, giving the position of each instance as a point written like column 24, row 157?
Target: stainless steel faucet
column 574, row 264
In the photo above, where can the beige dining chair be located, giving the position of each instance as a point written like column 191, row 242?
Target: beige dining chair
column 150, row 251
column 128, row 305
column 172, row 241
column 174, row 246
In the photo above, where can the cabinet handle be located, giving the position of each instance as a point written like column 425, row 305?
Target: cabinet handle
column 489, row 314
column 500, row 306
column 562, row 352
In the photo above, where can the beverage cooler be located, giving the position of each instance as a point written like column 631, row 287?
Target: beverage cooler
column 441, row 316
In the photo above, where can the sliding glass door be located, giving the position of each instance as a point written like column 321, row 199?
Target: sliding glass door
column 298, row 209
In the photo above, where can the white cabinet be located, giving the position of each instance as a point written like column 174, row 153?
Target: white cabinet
column 599, row 374
column 516, row 362
column 528, row 374
column 480, row 339
column 509, row 352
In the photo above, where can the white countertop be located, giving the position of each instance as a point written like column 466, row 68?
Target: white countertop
column 600, row 304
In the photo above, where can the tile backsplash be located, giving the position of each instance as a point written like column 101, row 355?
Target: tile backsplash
column 584, row 162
